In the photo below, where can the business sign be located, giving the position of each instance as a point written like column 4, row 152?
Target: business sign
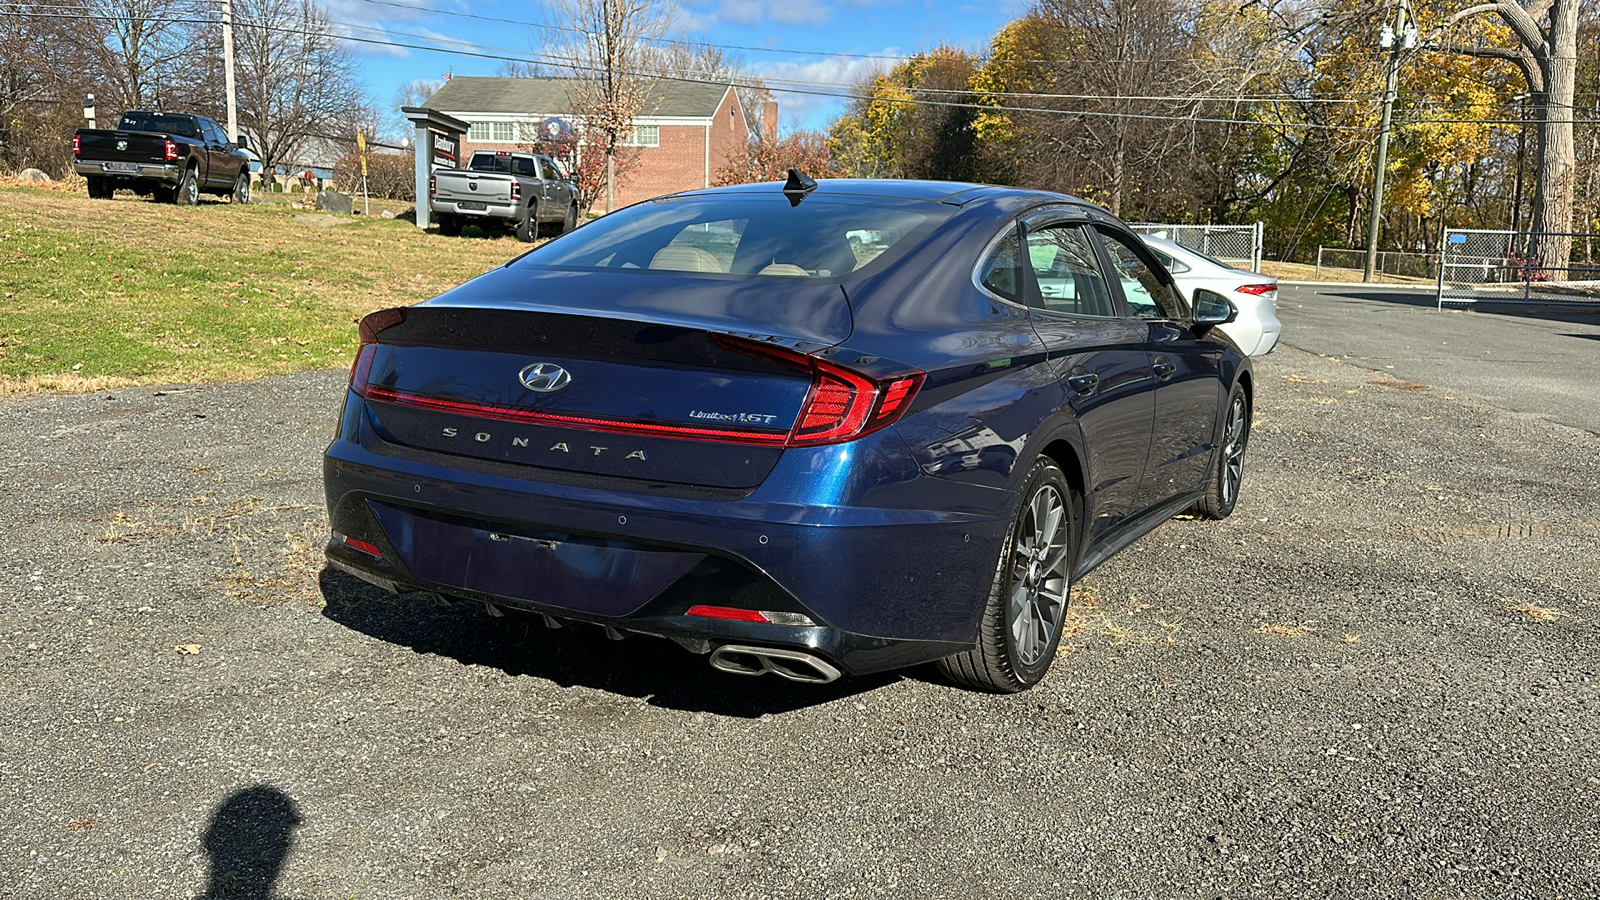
column 446, row 151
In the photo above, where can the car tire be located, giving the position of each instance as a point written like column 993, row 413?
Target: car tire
column 241, row 190
column 527, row 228
column 571, row 221
column 188, row 192
column 1227, row 469
column 1026, row 610
column 449, row 226
column 99, row 189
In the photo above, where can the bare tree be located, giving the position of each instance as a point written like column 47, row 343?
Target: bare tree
column 522, row 68
column 1547, row 54
column 412, row 93
column 297, row 82
column 609, row 60
column 141, row 48
column 686, row 59
column 45, row 70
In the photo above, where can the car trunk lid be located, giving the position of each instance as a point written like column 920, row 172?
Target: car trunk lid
column 608, row 374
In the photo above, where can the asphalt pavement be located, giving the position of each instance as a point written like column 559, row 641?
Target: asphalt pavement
column 1377, row 679
column 1536, row 359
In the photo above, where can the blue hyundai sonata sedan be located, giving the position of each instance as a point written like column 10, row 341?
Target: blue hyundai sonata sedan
column 804, row 428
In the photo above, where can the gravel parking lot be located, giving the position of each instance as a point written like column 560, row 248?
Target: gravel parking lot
column 1378, row 679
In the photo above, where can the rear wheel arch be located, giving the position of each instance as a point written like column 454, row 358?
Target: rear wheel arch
column 1069, row 461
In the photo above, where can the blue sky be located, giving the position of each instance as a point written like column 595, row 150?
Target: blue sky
column 836, row 34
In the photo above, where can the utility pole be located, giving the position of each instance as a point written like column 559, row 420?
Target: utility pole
column 1402, row 35
column 227, row 67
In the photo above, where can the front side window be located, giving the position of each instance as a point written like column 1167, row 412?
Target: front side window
column 1064, row 267
column 1148, row 296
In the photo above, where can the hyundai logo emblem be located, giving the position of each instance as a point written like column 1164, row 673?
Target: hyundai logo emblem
column 544, row 377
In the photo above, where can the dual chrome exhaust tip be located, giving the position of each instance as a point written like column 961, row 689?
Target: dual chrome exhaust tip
column 795, row 665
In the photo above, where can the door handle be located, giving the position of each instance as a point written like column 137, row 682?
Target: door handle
column 1163, row 367
column 1083, row 383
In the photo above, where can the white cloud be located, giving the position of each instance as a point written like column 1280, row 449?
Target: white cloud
column 790, row 12
column 833, row 74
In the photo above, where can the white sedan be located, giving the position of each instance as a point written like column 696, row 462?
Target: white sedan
column 1255, row 295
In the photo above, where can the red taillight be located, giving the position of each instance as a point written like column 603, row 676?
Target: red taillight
column 766, row 617
column 843, row 404
column 77, row 145
column 726, row 612
column 370, row 326
column 366, row 547
column 516, row 190
column 1257, row 289
column 171, row 150
column 433, row 185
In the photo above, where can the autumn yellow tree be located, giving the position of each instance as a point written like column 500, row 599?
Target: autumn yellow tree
column 912, row 122
column 1442, row 121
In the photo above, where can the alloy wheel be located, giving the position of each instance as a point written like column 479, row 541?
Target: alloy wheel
column 1233, row 451
column 1039, row 577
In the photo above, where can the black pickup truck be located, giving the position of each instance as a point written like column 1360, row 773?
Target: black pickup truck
column 174, row 157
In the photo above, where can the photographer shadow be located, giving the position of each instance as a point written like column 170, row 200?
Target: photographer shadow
column 654, row 670
column 248, row 840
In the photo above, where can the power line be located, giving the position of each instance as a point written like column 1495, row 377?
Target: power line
column 735, row 82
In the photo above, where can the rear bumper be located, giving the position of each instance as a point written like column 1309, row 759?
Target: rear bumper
column 886, row 586
column 167, row 173
column 506, row 211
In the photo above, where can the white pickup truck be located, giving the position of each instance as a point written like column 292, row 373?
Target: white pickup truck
column 520, row 191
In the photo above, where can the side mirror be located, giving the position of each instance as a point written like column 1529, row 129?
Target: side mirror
column 1211, row 308
column 242, row 144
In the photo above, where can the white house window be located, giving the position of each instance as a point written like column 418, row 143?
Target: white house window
column 493, row 132
column 642, row 136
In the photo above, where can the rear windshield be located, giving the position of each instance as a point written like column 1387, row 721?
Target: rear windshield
column 159, row 123
column 489, row 162
column 745, row 235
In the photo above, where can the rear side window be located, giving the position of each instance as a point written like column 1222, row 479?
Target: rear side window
column 523, row 167
column 1002, row 271
column 746, row 235
column 1064, row 267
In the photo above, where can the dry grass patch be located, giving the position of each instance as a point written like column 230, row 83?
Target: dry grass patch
column 1286, row 630
column 1399, row 384
column 1535, row 612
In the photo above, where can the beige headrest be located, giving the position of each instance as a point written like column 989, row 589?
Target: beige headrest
column 685, row 259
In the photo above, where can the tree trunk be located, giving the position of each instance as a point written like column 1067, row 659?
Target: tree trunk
column 611, row 175
column 1557, row 152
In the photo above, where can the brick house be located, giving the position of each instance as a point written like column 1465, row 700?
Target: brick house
column 685, row 133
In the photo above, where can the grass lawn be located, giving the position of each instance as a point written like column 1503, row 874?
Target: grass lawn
column 97, row 294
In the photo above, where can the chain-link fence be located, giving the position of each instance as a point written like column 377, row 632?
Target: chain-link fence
column 1480, row 265
column 1394, row 266
column 1236, row 245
